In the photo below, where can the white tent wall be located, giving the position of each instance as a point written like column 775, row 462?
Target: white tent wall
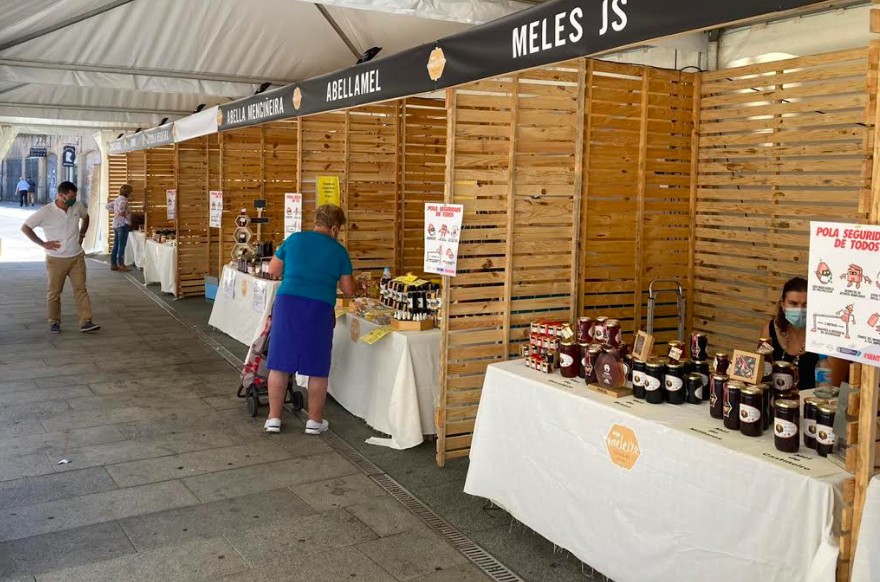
column 97, row 241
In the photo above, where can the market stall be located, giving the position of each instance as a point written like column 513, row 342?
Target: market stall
column 134, row 250
column 160, row 265
column 665, row 492
column 243, row 304
column 392, row 384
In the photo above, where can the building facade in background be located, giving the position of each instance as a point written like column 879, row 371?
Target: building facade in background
column 49, row 160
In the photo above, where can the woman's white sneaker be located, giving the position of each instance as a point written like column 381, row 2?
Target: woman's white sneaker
column 273, row 425
column 313, row 427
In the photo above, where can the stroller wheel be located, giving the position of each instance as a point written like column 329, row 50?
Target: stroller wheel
column 298, row 401
column 253, row 404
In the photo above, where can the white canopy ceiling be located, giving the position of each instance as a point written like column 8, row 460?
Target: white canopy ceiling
column 130, row 63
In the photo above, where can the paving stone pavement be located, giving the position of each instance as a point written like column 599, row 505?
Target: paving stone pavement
column 168, row 478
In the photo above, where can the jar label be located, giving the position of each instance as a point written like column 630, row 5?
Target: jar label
column 749, row 413
column 565, row 361
column 699, row 392
column 713, row 400
column 674, row 384
column 825, row 435
column 638, row 378
column 768, row 369
column 675, row 354
column 652, row 383
column 783, row 382
column 705, row 379
column 784, row 428
column 810, row 427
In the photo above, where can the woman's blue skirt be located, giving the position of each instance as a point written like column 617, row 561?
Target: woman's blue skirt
column 301, row 338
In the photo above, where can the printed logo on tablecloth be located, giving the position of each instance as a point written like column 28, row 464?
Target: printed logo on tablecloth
column 244, row 287
column 623, row 446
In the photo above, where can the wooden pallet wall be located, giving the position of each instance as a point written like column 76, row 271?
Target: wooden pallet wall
column 323, row 153
column 118, row 170
column 636, row 188
column 575, row 181
column 780, row 144
column 280, row 173
column 372, row 179
column 214, row 183
column 242, row 178
column 136, row 175
column 159, row 176
column 193, row 250
column 423, row 168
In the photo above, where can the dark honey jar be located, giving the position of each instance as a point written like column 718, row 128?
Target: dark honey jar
column 783, row 376
column 638, row 378
column 699, row 346
column 674, row 383
column 585, row 329
column 583, row 353
column 767, row 399
column 716, row 398
column 811, row 409
column 767, row 374
column 786, row 425
column 731, row 405
column 694, row 386
column 722, row 363
column 569, row 358
column 701, row 367
column 825, row 436
column 654, row 372
column 750, row 411
column 590, row 366
column 628, row 368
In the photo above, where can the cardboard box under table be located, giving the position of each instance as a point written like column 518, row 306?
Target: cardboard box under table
column 651, row 492
column 392, row 384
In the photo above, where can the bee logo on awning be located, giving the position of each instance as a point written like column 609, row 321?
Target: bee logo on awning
column 436, row 64
column 297, row 98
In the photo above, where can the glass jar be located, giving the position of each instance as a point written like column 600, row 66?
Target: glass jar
column 676, row 350
column 638, row 379
column 694, row 389
column 674, row 383
column 811, row 409
column 783, row 376
column 699, row 346
column 786, row 425
column 722, row 363
column 585, row 330
column 654, row 372
column 825, row 436
column 701, row 367
column 569, row 358
column 716, row 398
column 750, row 408
column 583, row 354
column 731, row 405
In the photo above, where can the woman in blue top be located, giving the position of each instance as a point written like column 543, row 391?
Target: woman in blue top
column 304, row 315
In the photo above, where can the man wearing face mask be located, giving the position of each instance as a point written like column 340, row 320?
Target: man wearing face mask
column 64, row 223
column 788, row 332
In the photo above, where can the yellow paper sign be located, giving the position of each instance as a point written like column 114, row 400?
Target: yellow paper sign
column 376, row 334
column 340, row 312
column 407, row 279
column 328, row 190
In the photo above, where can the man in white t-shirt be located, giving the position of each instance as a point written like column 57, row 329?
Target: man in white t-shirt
column 22, row 188
column 64, row 223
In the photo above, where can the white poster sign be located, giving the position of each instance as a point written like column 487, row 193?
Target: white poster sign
column 215, row 218
column 442, row 233
column 228, row 283
column 261, row 293
column 843, row 304
column 293, row 204
column 171, row 204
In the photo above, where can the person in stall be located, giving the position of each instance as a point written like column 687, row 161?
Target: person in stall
column 311, row 265
column 787, row 330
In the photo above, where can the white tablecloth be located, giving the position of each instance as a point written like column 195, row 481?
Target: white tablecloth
column 700, row 503
column 237, row 316
column 393, row 384
column 866, row 565
column 160, row 265
column 134, row 249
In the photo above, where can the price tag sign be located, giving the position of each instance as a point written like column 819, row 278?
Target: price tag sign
column 442, row 235
column 292, row 213
column 376, row 335
column 171, row 204
column 340, row 312
column 261, row 291
column 229, row 283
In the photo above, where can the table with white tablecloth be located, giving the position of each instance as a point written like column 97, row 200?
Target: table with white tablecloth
column 243, row 304
column 646, row 492
column 866, row 563
column 393, row 384
column 134, row 249
column 160, row 265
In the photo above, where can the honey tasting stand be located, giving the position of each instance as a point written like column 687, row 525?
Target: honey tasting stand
column 581, row 181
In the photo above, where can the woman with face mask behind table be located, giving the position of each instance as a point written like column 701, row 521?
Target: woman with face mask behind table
column 788, row 332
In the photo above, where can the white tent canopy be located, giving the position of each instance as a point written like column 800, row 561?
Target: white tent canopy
column 130, row 63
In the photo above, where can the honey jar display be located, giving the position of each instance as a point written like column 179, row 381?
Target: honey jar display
column 783, row 376
column 750, row 411
column 716, row 397
column 699, row 346
column 701, row 367
column 585, row 330
column 613, row 333
column 721, row 363
column 694, row 387
column 654, row 372
column 825, row 436
column 811, row 409
column 676, row 350
column 569, row 359
column 731, row 405
column 786, row 425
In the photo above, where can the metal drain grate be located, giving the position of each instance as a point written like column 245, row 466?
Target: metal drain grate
column 467, row 547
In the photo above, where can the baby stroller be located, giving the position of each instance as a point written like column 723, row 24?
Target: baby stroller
column 255, row 376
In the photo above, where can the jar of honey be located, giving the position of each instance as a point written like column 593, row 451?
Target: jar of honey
column 569, row 358
column 786, row 425
column 654, row 377
column 722, row 363
column 716, row 397
column 750, row 409
column 731, row 405
column 783, row 376
column 825, row 436
column 638, row 378
column 676, row 350
column 674, row 383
